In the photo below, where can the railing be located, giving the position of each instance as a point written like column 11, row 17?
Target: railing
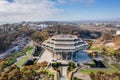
column 63, row 50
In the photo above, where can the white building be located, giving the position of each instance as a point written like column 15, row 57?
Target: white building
column 118, row 32
column 63, row 46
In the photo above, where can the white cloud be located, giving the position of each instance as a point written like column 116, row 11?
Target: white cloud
column 80, row 1
column 31, row 10
column 84, row 1
column 20, row 10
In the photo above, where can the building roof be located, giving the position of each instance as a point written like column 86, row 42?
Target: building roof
column 64, row 36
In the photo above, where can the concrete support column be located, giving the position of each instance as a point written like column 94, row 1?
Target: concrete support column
column 72, row 56
column 53, row 55
column 66, row 56
column 61, row 55
column 69, row 55
column 58, row 56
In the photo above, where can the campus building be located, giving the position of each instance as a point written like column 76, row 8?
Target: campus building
column 63, row 46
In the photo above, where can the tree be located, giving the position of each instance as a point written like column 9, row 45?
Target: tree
column 3, row 64
column 36, row 36
column 43, row 64
column 32, row 72
column 40, row 36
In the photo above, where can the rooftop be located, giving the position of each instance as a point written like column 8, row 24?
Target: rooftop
column 65, row 36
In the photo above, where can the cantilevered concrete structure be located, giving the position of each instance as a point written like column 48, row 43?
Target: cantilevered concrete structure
column 63, row 46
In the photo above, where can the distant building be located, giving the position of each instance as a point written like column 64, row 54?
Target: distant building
column 118, row 32
column 64, row 46
column 118, row 25
column 41, row 26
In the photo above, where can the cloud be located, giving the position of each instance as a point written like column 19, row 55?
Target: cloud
column 20, row 10
column 33, row 10
column 71, row 1
column 84, row 1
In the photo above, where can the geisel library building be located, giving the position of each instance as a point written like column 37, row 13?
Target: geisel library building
column 63, row 46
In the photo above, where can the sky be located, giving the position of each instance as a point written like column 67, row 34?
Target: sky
column 58, row 10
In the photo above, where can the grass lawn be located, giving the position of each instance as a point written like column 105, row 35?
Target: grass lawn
column 109, row 69
column 12, row 59
column 110, row 66
column 24, row 58
column 88, row 71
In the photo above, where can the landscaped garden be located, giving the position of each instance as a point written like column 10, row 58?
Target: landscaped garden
column 88, row 71
column 105, row 76
column 24, row 58
column 13, row 58
column 97, row 74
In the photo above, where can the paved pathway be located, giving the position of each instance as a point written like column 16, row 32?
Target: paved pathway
column 64, row 73
column 81, row 75
column 46, row 56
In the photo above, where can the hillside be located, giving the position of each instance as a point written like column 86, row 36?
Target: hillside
column 109, row 40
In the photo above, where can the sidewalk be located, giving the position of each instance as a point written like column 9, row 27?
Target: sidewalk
column 47, row 56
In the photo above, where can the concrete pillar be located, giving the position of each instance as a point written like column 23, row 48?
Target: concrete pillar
column 66, row 56
column 61, row 56
column 53, row 55
column 57, row 55
column 71, row 55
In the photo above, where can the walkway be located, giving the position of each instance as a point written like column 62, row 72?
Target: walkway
column 46, row 56
column 64, row 73
column 81, row 75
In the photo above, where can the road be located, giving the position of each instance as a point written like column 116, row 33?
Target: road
column 2, row 56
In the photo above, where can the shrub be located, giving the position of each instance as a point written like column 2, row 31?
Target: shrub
column 71, row 66
column 91, row 65
column 75, row 78
column 43, row 64
column 56, row 65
